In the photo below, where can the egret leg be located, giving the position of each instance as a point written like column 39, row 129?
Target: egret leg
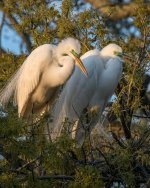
column 84, row 129
column 94, row 116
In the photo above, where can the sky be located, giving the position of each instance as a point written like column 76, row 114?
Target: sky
column 10, row 40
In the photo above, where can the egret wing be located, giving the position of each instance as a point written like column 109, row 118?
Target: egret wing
column 77, row 92
column 32, row 70
column 8, row 90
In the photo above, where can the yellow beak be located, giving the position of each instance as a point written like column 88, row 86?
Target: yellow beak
column 79, row 63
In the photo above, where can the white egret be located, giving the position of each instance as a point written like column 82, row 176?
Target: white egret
column 104, row 71
column 35, row 84
column 145, row 92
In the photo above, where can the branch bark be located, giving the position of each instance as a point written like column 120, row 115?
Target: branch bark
column 57, row 177
column 1, row 26
column 116, row 11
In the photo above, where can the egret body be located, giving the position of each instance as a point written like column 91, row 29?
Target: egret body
column 88, row 95
column 35, row 84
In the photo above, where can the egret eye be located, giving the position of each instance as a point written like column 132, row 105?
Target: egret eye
column 65, row 54
column 74, row 53
column 119, row 54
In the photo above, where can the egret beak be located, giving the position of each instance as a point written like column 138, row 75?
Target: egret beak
column 126, row 56
column 122, row 55
column 79, row 62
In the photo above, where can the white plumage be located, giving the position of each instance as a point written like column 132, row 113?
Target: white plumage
column 35, row 84
column 104, row 71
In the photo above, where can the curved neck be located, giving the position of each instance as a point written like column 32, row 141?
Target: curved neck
column 105, row 57
column 66, row 67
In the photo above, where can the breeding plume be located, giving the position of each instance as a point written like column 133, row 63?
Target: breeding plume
column 90, row 95
column 35, row 84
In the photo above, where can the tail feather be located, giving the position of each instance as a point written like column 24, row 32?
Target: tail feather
column 8, row 90
column 58, row 115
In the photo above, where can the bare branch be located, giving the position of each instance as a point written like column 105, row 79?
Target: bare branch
column 58, row 177
column 116, row 11
column 1, row 26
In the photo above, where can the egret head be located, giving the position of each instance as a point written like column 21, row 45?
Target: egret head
column 71, row 47
column 111, row 50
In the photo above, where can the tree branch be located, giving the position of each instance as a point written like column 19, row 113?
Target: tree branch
column 116, row 11
column 1, row 26
column 57, row 177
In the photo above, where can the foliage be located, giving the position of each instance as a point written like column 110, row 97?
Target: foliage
column 29, row 159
